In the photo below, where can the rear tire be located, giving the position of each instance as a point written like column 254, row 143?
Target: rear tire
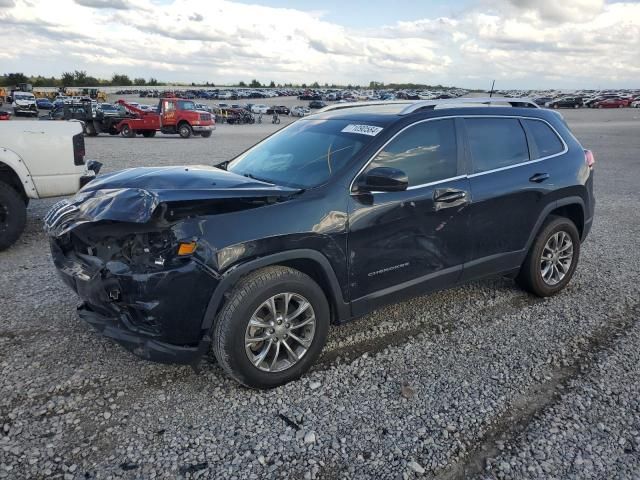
column 149, row 133
column 537, row 274
column 247, row 299
column 91, row 129
column 13, row 216
column 127, row 131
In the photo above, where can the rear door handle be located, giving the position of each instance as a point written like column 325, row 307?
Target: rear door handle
column 539, row 177
column 448, row 196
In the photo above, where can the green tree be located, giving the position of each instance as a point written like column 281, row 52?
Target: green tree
column 255, row 84
column 139, row 81
column 11, row 79
column 242, row 84
column 272, row 84
column 120, row 80
column 80, row 78
column 153, row 82
column 68, row 79
column 315, row 85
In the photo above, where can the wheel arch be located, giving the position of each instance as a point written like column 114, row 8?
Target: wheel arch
column 15, row 173
column 571, row 207
column 309, row 262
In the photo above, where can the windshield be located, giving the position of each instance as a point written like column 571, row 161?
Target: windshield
column 303, row 155
column 24, row 96
column 106, row 106
column 186, row 105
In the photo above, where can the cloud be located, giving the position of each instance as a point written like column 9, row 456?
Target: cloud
column 116, row 4
column 523, row 43
column 561, row 10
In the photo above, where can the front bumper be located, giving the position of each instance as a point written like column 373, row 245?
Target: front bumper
column 26, row 108
column 157, row 314
column 141, row 346
column 203, row 128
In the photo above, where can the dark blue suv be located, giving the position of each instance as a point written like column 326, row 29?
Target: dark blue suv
column 337, row 214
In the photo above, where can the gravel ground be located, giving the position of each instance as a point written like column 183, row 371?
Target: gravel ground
column 479, row 381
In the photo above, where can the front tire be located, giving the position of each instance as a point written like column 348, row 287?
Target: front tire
column 206, row 134
column 13, row 216
column 185, row 130
column 552, row 259
column 272, row 328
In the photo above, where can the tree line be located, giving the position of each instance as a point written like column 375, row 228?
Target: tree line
column 80, row 78
column 77, row 78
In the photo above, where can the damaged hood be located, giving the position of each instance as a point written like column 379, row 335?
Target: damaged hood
column 133, row 195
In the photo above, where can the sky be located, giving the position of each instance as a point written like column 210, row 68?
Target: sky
column 524, row 44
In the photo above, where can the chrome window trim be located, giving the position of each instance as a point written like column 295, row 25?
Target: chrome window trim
column 564, row 144
column 458, row 177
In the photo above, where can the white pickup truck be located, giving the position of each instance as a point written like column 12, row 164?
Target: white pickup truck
column 38, row 160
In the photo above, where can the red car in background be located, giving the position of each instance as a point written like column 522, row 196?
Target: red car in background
column 613, row 103
column 5, row 115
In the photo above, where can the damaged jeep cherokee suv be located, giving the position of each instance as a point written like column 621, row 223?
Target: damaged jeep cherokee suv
column 335, row 215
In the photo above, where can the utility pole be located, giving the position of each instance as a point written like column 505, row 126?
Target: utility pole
column 491, row 92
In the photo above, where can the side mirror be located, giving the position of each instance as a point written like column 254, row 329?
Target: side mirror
column 383, row 179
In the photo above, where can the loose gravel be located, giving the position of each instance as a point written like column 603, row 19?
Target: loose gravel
column 478, row 381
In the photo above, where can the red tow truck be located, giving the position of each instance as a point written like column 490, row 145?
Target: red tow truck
column 173, row 115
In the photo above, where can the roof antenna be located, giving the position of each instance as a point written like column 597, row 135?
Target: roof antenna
column 491, row 92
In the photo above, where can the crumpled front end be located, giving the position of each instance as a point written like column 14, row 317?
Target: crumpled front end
column 132, row 245
column 137, row 289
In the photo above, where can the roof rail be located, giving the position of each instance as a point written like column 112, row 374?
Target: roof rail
column 415, row 105
column 340, row 106
column 453, row 102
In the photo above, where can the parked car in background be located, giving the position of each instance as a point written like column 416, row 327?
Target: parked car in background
column 612, row 103
column 108, row 110
column 542, row 101
column 204, row 108
column 24, row 103
column 279, row 109
column 4, row 115
column 44, row 104
column 317, row 104
column 367, row 206
column 299, row 111
column 259, row 108
column 635, row 104
column 565, row 102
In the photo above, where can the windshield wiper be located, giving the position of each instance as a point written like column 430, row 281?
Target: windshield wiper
column 253, row 177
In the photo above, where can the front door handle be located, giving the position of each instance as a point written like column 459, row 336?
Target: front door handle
column 448, row 196
column 539, row 177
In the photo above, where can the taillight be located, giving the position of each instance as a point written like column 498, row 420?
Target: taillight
column 78, row 149
column 589, row 159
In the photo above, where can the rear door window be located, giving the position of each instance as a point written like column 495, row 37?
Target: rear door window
column 546, row 140
column 426, row 152
column 496, row 143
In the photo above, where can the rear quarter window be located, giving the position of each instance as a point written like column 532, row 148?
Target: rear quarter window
column 546, row 140
column 496, row 143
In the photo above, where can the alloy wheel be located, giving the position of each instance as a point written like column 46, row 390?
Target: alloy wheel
column 556, row 259
column 280, row 332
